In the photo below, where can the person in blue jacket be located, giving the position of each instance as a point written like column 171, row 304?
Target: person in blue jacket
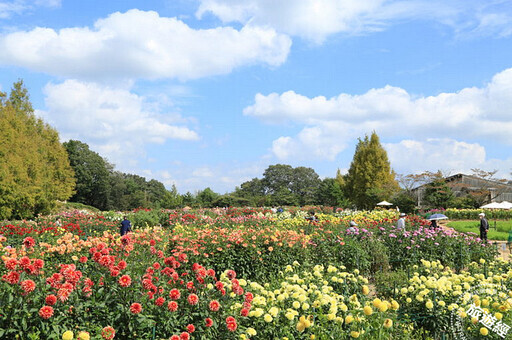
column 126, row 226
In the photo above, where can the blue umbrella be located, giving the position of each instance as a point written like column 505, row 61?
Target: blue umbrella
column 437, row 217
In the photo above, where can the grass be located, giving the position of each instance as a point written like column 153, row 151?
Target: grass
column 75, row 206
column 500, row 233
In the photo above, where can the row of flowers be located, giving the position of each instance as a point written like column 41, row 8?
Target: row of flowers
column 130, row 288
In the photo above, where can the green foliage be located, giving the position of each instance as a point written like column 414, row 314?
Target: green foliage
column 34, row 168
column 206, row 197
column 284, row 196
column 386, row 281
column 330, row 193
column 405, row 201
column 305, row 184
column 100, row 186
column 251, row 190
column 172, row 199
column 149, row 218
column 438, row 194
column 188, row 199
column 500, row 233
column 282, row 185
column 230, row 201
column 71, row 206
column 472, row 214
column 370, row 178
column 464, row 202
column 92, row 174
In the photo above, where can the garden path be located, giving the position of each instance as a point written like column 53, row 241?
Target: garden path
column 504, row 250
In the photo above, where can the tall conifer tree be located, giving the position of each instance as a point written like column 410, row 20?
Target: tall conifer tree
column 370, row 177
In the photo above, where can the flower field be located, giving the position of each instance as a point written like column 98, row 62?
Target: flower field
column 247, row 274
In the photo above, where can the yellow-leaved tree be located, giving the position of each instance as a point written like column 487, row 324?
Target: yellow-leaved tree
column 370, row 178
column 34, row 166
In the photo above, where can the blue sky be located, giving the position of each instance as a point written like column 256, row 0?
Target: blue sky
column 209, row 93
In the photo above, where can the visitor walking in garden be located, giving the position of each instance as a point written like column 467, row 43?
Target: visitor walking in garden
column 352, row 227
column 312, row 217
column 484, row 227
column 126, row 226
column 400, row 224
column 433, row 224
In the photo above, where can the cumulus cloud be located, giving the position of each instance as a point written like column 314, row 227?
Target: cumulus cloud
column 316, row 19
column 329, row 123
column 435, row 153
column 139, row 44
column 115, row 122
column 446, row 154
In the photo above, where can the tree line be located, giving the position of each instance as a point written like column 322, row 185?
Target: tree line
column 36, row 171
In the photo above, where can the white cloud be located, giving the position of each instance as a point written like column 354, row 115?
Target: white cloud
column 202, row 172
column 311, row 142
column 435, row 153
column 317, row 19
column 329, row 123
column 448, row 155
column 16, row 7
column 139, row 44
column 114, row 122
column 221, row 178
column 312, row 19
column 163, row 176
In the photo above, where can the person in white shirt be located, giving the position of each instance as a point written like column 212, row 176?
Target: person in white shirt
column 352, row 227
column 400, row 224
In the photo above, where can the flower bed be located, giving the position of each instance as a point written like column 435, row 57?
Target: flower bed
column 261, row 278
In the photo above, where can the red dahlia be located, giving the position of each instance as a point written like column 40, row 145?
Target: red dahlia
column 214, row 305
column 108, row 333
column 159, row 301
column 136, row 308
column 174, row 294
column 11, row 277
column 193, row 299
column 125, row 281
column 172, row 306
column 28, row 286
column 29, row 242
column 46, row 312
column 51, row 300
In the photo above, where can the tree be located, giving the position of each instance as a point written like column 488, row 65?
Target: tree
column 155, row 192
column 92, row 174
column 172, row 199
column 330, row 193
column 252, row 191
column 437, row 193
column 206, row 197
column 276, row 177
column 290, row 186
column 230, row 201
column 487, row 189
column 405, row 201
column 34, row 168
column 370, row 177
column 284, row 197
column 305, row 184
column 463, row 202
column 188, row 199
